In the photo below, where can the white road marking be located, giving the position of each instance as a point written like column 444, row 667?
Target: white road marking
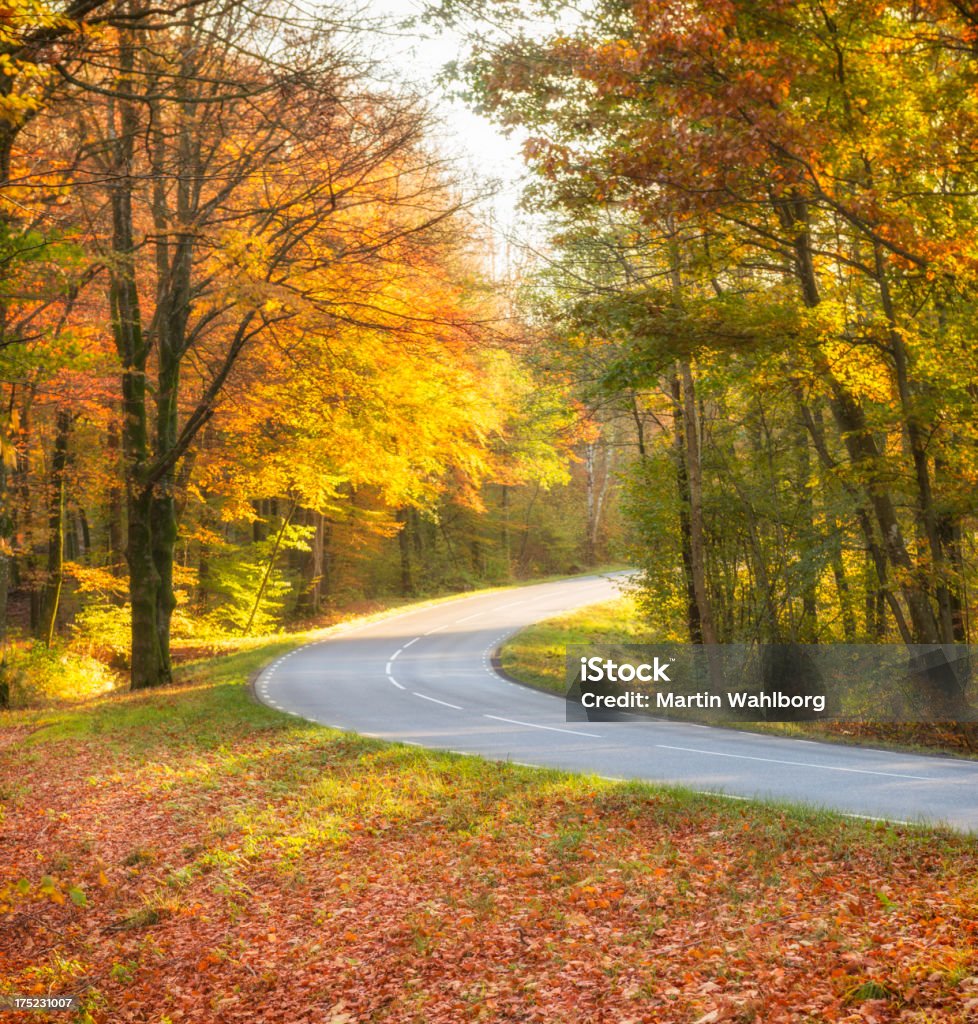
column 869, row 817
column 408, row 644
column 798, row 764
column 549, row 728
column 474, row 615
column 395, row 654
column 724, row 796
column 391, row 679
column 434, row 700
column 387, row 667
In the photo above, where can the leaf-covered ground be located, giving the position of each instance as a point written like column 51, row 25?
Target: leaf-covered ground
column 191, row 856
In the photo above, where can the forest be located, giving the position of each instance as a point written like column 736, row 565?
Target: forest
column 313, row 472
column 764, row 264
column 255, row 366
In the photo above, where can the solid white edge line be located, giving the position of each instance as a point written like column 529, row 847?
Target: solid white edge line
column 549, row 728
column 869, row 817
column 798, row 764
column 435, row 700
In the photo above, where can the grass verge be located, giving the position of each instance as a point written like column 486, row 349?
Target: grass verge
column 535, row 656
column 191, row 855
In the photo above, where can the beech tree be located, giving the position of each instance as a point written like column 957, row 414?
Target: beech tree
column 216, row 157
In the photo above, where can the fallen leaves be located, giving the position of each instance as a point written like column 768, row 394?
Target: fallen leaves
column 295, row 875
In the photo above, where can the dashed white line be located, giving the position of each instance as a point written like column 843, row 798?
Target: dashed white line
column 391, row 679
column 387, row 667
column 549, row 728
column 474, row 615
column 408, row 644
column 435, row 700
column 797, row 764
column 396, row 653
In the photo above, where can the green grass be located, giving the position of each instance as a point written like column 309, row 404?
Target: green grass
column 535, row 655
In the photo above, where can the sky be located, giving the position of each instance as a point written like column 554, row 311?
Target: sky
column 484, row 151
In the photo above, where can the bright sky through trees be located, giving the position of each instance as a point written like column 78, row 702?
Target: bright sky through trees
column 418, row 53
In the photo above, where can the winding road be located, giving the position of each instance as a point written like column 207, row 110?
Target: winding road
column 425, row 677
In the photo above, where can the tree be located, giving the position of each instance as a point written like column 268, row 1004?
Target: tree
column 801, row 144
column 218, row 228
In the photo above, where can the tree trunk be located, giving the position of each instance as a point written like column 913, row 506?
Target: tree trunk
column 842, row 588
column 404, row 546
column 114, row 511
column 311, row 567
column 148, row 665
column 6, row 545
column 926, row 505
column 591, row 491
column 697, row 540
column 505, row 537
column 163, row 534
column 51, row 596
column 861, row 445
column 685, row 530
column 807, row 629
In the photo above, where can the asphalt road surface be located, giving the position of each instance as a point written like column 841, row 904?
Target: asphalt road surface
column 425, row 677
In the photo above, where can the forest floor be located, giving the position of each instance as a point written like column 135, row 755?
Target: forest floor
column 536, row 656
column 190, row 855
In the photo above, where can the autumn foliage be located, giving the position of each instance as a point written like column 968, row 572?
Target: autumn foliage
column 253, row 366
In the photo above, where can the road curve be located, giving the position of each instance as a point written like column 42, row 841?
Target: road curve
column 425, row 677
